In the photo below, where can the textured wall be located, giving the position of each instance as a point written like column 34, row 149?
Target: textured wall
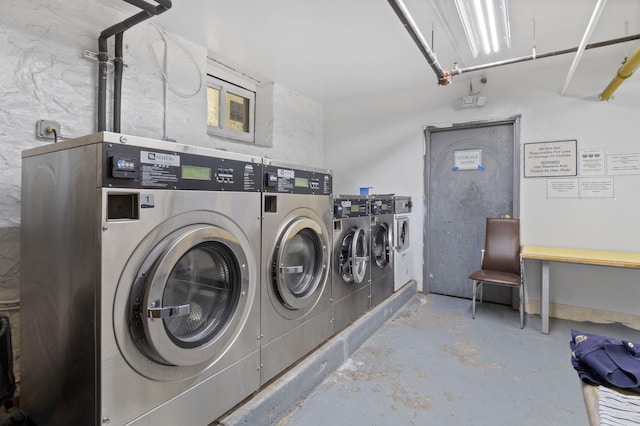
column 44, row 74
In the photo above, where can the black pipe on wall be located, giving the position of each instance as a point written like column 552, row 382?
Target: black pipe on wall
column 118, row 63
column 118, row 30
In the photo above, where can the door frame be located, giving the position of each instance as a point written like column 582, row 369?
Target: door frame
column 427, row 130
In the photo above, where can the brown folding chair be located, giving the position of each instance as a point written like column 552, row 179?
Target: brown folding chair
column 501, row 261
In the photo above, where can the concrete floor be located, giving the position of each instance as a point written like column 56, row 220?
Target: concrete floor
column 431, row 364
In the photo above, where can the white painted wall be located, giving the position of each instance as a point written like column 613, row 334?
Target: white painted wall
column 378, row 141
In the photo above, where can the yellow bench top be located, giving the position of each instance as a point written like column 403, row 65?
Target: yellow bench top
column 573, row 255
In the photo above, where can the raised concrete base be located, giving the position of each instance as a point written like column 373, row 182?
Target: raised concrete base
column 280, row 397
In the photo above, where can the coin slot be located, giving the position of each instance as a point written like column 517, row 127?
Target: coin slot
column 123, row 206
column 270, row 204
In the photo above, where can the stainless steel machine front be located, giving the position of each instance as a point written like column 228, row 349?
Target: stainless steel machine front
column 382, row 263
column 351, row 271
column 140, row 282
column 296, row 295
column 403, row 267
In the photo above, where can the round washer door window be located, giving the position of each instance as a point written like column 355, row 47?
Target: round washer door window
column 200, row 295
column 403, row 235
column 190, row 296
column 300, row 263
column 353, row 256
column 381, row 245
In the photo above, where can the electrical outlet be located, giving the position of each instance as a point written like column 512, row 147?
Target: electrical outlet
column 47, row 129
column 468, row 101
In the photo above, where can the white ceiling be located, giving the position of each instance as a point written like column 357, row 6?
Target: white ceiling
column 330, row 50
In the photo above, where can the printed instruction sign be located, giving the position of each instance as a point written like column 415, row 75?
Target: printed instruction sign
column 596, row 187
column 550, row 159
column 562, row 188
column 592, row 162
column 623, row 164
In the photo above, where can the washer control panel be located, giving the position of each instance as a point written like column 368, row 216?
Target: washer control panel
column 127, row 166
column 296, row 181
column 402, row 204
column 356, row 207
column 382, row 205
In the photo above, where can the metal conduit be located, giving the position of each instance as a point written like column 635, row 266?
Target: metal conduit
column 410, row 25
column 118, row 30
column 626, row 70
column 585, row 37
column 444, row 76
column 544, row 55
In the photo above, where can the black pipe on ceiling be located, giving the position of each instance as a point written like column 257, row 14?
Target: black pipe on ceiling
column 148, row 11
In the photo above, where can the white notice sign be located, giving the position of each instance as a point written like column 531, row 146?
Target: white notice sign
column 467, row 159
column 592, row 162
column 562, row 188
column 550, row 159
column 596, row 187
column 623, row 164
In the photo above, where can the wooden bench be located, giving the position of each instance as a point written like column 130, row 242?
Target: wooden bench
column 572, row 255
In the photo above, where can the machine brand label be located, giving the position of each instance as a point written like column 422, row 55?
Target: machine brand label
column 286, row 174
column 159, row 158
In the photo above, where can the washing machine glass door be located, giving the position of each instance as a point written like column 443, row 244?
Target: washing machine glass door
column 300, row 264
column 353, row 256
column 403, row 234
column 191, row 293
column 381, row 242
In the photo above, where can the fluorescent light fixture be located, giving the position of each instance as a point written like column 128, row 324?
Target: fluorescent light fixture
column 486, row 25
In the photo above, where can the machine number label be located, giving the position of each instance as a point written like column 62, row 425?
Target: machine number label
column 147, row 201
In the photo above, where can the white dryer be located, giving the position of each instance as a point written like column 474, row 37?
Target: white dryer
column 403, row 267
column 351, row 266
column 296, row 294
column 140, row 282
column 382, row 256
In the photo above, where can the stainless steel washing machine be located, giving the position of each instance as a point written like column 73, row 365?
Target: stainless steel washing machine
column 403, row 263
column 296, row 294
column 140, row 282
column 382, row 262
column 351, row 272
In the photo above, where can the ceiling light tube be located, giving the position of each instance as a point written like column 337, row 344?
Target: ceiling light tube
column 481, row 26
column 493, row 30
column 467, row 25
column 486, row 24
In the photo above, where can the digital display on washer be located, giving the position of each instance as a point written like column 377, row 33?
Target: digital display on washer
column 355, row 208
column 196, row 173
column 301, row 182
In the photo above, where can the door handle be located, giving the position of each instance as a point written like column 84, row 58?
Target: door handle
column 291, row 269
column 169, row 311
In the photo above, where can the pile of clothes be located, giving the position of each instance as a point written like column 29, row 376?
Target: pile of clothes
column 614, row 367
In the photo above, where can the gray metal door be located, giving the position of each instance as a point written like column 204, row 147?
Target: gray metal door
column 471, row 173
